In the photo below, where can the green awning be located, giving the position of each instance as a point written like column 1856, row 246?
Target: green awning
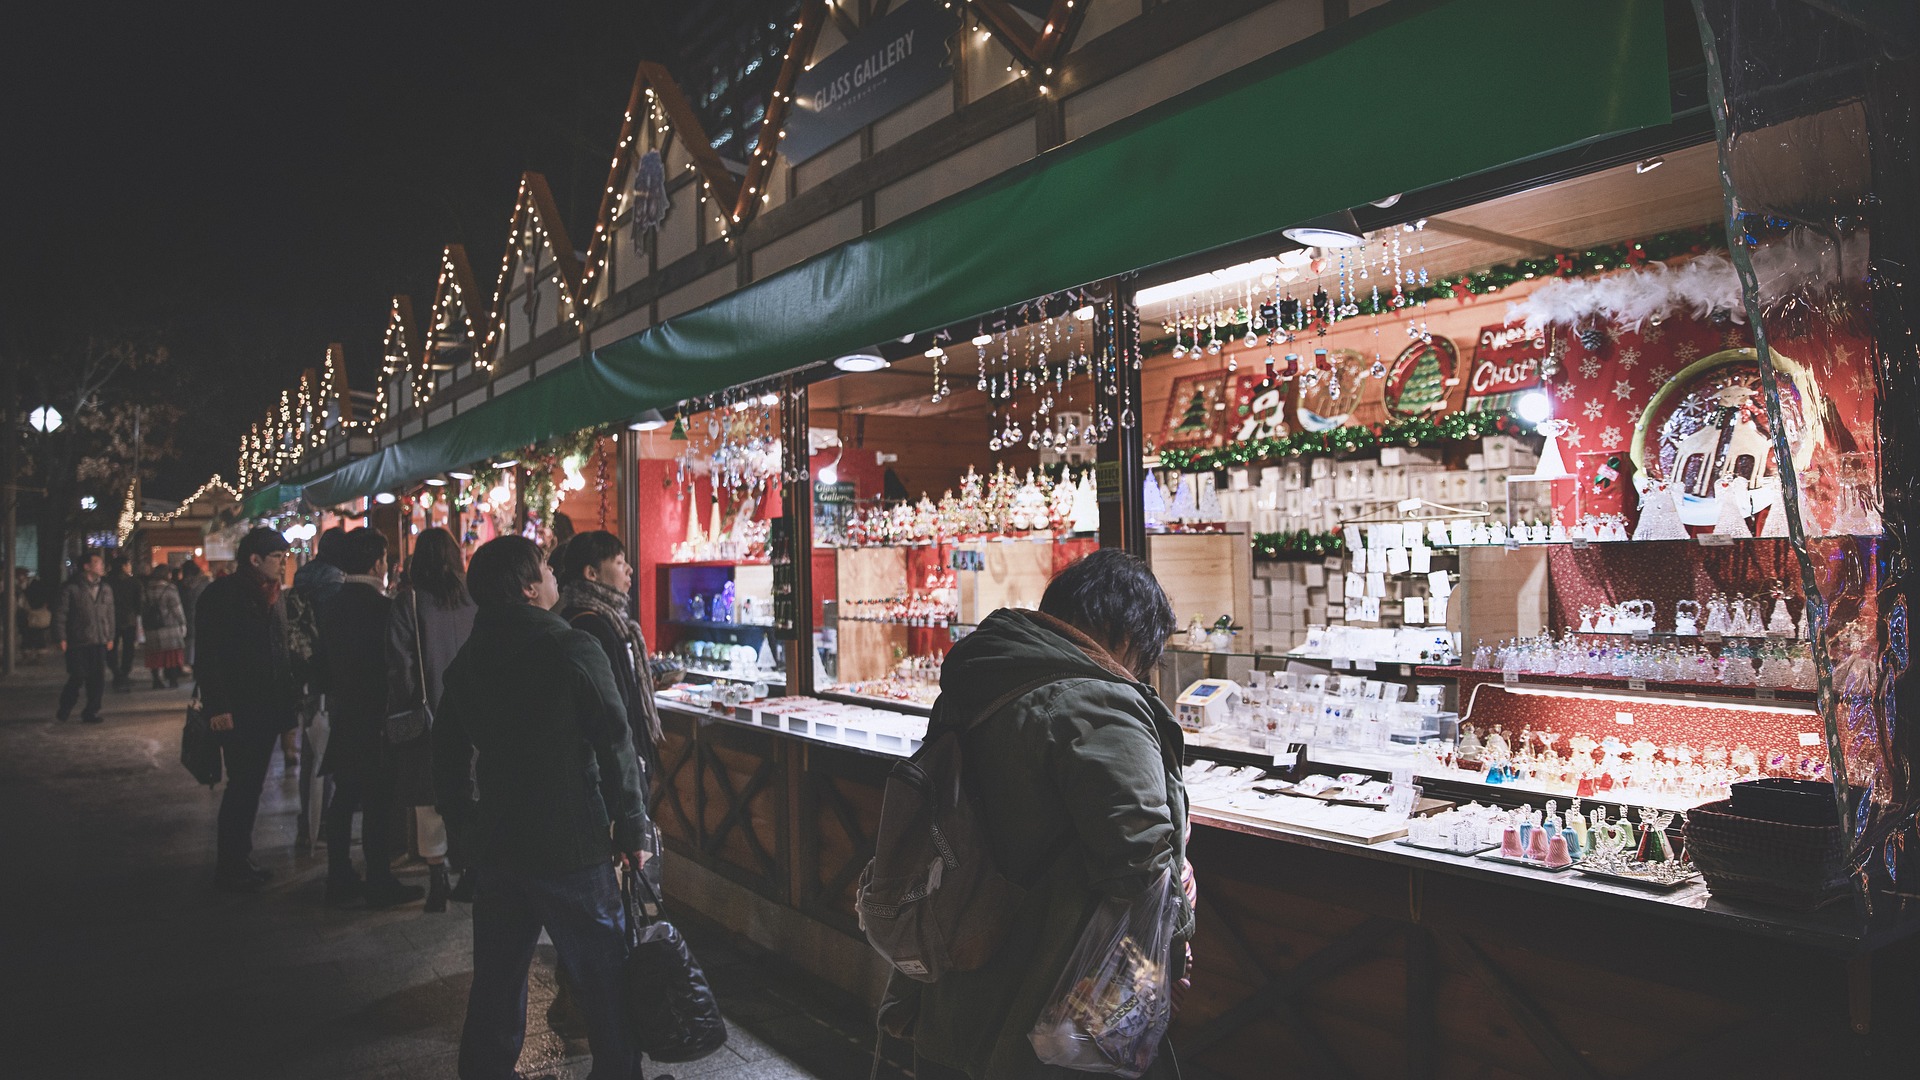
column 1406, row 96
column 272, row 497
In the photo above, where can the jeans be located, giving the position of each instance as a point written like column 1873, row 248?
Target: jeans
column 86, row 664
column 247, row 752
column 126, row 640
column 581, row 912
column 369, row 790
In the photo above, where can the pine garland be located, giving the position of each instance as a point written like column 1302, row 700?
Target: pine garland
column 1412, row 432
column 1565, row 264
column 1304, row 544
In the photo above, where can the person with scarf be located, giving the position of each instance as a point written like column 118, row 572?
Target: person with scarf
column 247, row 689
column 595, row 579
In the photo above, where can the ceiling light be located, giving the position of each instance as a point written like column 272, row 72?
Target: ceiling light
column 506, row 463
column 1650, row 164
column 770, row 399
column 651, row 420
column 435, row 481
column 1387, row 203
column 1338, row 230
column 460, row 475
column 935, row 353
column 385, row 498
column 1084, row 314
column 983, row 340
column 858, row 362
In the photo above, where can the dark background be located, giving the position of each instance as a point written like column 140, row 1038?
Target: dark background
column 253, row 182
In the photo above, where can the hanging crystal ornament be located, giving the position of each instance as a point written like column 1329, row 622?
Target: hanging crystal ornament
column 1252, row 340
column 1213, row 328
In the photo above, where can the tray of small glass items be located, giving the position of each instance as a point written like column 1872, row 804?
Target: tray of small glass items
column 1665, row 877
column 1447, row 848
column 1645, row 859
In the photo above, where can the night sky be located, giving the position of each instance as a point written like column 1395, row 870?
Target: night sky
column 255, row 181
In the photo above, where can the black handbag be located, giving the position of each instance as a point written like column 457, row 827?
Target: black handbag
column 199, row 746
column 675, row 1017
column 413, row 721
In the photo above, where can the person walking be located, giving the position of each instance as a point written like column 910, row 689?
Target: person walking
column 1078, row 783
column 127, row 597
column 192, row 583
column 432, row 616
column 85, row 627
column 560, row 795
column 313, row 585
column 164, row 622
column 350, row 667
column 247, row 689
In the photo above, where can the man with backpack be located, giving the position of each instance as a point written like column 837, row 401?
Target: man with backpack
column 1051, row 771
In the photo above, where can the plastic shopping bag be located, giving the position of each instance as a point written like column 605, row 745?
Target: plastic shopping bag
column 1109, row 1011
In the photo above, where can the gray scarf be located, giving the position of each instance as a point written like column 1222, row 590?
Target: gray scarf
column 611, row 605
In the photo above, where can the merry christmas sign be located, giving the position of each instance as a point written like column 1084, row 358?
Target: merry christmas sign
column 1506, row 361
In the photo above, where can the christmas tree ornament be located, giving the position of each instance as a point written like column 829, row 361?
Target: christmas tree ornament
column 1773, row 508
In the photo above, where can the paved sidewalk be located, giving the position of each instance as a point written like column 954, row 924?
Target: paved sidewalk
column 117, row 959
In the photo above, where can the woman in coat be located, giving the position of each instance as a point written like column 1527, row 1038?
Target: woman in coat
column 1078, row 780
column 165, row 622
column 432, row 616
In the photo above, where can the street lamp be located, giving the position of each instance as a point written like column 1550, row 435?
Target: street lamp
column 46, row 419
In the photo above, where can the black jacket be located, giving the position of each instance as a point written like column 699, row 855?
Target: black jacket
column 529, row 712
column 636, row 688
column 350, row 667
column 240, row 656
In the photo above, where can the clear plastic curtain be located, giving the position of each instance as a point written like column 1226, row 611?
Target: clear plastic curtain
column 1815, row 106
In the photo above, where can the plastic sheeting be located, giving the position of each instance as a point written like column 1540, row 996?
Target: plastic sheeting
column 1815, row 105
column 1372, row 107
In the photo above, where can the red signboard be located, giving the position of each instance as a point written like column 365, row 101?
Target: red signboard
column 1506, row 359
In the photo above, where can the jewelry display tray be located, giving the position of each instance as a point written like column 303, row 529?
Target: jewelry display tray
column 1643, row 882
column 1447, row 850
column 1528, row 863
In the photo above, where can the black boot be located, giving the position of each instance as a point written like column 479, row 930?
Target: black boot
column 343, row 886
column 463, row 889
column 158, row 684
column 437, row 887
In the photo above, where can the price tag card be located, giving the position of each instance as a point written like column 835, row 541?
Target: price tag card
column 1714, row 540
column 1765, row 693
column 1579, row 543
column 1811, row 738
column 1353, row 538
column 1437, row 611
column 1365, row 665
column 1413, row 611
column 1342, row 665
column 1356, row 586
column 1397, row 561
column 1370, row 609
column 1360, row 560
column 1420, row 559
column 1509, row 676
column 1440, row 583
column 1636, row 684
column 1376, row 584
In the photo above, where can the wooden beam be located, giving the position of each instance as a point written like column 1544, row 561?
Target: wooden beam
column 1488, row 236
column 1535, row 1024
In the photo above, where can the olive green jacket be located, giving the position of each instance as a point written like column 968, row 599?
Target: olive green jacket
column 529, row 716
column 1079, row 784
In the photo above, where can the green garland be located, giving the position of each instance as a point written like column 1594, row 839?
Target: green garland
column 1304, row 544
column 1565, row 264
column 1411, row 432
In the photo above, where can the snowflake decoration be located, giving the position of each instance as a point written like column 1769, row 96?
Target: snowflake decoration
column 1653, row 335
column 1589, row 368
column 1615, row 333
column 1660, row 375
column 1687, row 353
column 1842, row 356
column 1622, row 390
column 1610, row 436
column 1592, row 409
column 1629, row 357
column 1573, row 437
column 1564, row 391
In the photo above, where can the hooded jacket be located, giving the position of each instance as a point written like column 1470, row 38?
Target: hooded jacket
column 1079, row 784
column 529, row 715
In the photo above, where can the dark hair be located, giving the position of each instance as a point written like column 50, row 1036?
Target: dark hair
column 87, row 555
column 591, row 549
column 260, row 541
column 437, row 568
column 328, row 548
column 499, row 573
column 1114, row 599
column 557, row 558
column 360, row 550
column 189, row 569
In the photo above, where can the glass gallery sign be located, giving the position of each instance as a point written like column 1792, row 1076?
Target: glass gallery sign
column 884, row 67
